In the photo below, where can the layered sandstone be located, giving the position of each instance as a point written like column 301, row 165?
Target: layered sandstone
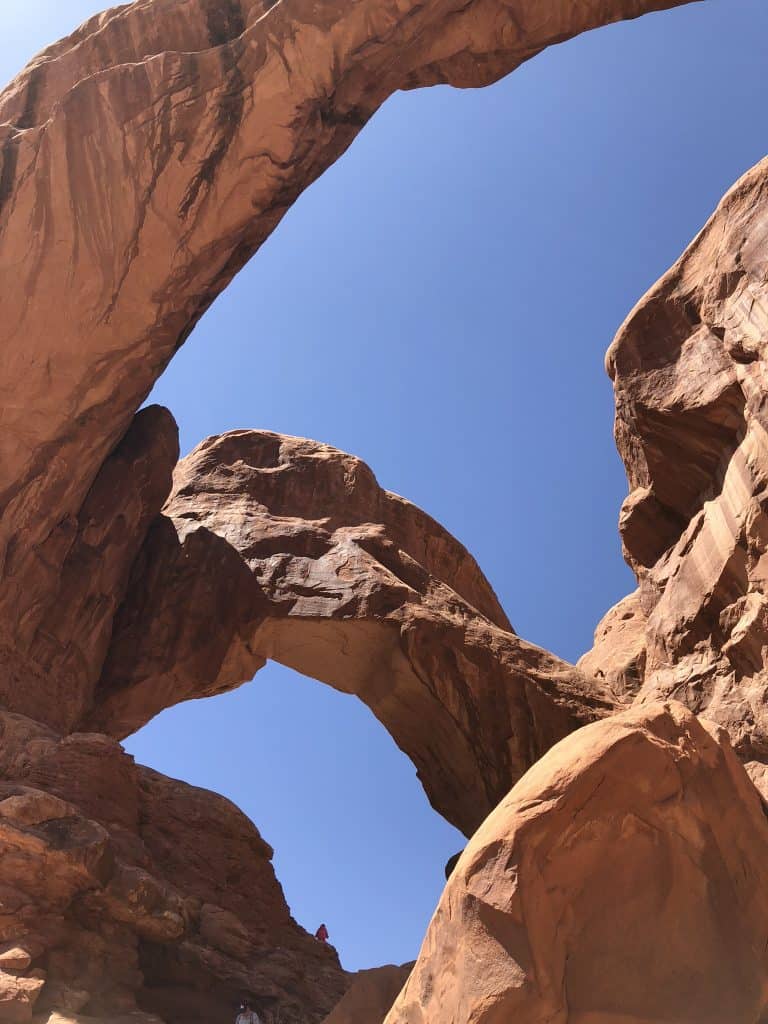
column 122, row 889
column 622, row 880
column 689, row 372
column 283, row 548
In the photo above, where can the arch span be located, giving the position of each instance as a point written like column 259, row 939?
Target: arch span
column 279, row 547
column 143, row 160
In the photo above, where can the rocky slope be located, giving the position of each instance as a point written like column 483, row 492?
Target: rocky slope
column 120, row 887
column 143, row 160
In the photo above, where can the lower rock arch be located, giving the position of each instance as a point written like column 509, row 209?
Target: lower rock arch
column 283, row 548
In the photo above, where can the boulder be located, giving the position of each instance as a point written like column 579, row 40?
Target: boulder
column 622, row 880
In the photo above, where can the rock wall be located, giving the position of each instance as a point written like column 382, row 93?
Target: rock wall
column 120, row 887
column 689, row 374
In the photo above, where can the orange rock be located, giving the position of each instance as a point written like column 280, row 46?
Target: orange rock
column 622, row 879
column 130, row 889
column 283, row 548
column 143, row 161
column 370, row 996
column 65, row 591
column 689, row 374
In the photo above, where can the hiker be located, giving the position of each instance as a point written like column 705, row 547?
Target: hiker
column 247, row 1014
column 322, row 933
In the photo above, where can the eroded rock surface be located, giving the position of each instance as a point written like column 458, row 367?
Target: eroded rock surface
column 370, row 995
column 622, row 879
column 689, row 372
column 302, row 557
column 65, row 592
column 143, row 160
column 120, row 888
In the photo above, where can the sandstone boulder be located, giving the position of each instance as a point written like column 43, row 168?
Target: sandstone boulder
column 622, row 879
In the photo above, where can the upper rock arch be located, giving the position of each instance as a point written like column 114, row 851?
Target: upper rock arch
column 143, row 160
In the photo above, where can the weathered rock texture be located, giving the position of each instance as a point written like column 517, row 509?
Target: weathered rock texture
column 65, row 600
column 689, row 372
column 143, row 160
column 278, row 547
column 622, row 881
column 120, row 887
column 370, row 996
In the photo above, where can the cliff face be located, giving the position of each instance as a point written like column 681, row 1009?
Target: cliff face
column 122, row 888
column 689, row 374
column 143, row 160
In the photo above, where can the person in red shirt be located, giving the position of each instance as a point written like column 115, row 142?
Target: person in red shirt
column 322, row 933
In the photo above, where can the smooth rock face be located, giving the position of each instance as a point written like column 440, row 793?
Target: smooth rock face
column 370, row 996
column 622, row 880
column 689, row 371
column 120, row 887
column 316, row 566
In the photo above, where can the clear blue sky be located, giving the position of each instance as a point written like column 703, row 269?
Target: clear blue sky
column 439, row 303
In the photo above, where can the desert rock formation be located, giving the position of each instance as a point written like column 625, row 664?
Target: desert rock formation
column 319, row 568
column 622, row 880
column 689, row 373
column 143, row 160
column 370, row 996
column 112, row 893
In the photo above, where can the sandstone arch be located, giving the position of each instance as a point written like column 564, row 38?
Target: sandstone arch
column 221, row 113
column 212, row 117
column 283, row 548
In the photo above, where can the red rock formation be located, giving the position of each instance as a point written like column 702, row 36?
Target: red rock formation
column 113, row 894
column 65, row 593
column 213, row 115
column 278, row 547
column 689, row 375
column 622, row 879
column 143, row 160
column 370, row 996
